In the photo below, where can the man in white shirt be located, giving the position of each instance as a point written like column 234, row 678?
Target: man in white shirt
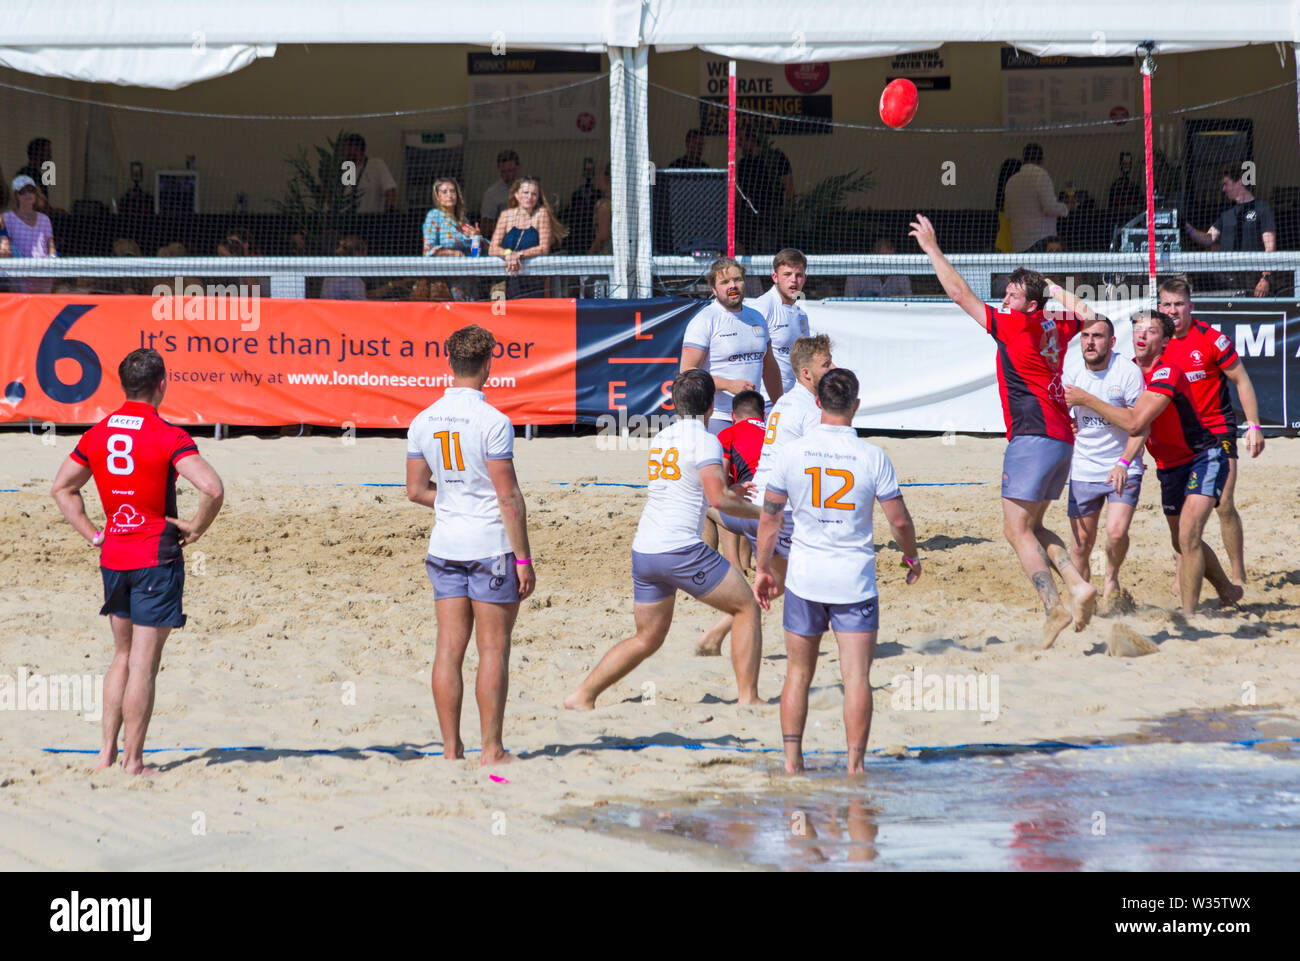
column 1031, row 204
column 375, row 187
column 460, row 462
column 1107, row 463
column 786, row 320
column 730, row 342
column 831, row 479
column 793, row 416
column 668, row 554
column 497, row 197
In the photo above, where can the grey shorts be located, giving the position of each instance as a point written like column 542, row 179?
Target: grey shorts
column 492, row 579
column 718, row 423
column 1086, row 497
column 697, row 570
column 1035, row 468
column 811, row 618
column 748, row 526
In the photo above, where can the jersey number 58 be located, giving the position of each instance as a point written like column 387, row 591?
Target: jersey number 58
column 668, row 469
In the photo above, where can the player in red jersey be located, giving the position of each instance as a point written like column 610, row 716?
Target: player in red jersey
column 742, row 443
column 1031, row 352
column 1190, row 462
column 1210, row 361
column 135, row 457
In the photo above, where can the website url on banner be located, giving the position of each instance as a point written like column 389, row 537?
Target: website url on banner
column 367, row 379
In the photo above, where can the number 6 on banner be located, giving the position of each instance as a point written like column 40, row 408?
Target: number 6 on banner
column 55, row 347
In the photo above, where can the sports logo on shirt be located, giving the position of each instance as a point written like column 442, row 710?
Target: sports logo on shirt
column 126, row 421
column 127, row 516
column 1197, row 357
column 698, row 577
column 1222, row 343
column 1250, row 215
column 1051, row 349
column 1161, row 374
column 1193, row 482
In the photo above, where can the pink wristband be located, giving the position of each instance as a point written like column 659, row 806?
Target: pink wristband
column 1126, row 463
column 526, row 560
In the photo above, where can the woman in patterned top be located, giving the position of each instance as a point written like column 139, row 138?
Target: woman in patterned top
column 446, row 233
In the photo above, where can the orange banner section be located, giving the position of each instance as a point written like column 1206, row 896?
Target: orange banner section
column 264, row 362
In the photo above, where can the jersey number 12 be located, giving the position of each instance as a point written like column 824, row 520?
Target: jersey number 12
column 834, row 500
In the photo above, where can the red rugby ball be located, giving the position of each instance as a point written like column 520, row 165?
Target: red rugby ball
column 898, row 103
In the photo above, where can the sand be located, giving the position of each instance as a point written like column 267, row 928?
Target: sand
column 311, row 627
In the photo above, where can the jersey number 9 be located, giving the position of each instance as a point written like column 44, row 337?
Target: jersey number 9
column 668, row 470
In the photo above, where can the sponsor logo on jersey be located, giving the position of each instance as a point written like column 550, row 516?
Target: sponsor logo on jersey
column 1197, row 357
column 1196, row 375
column 126, row 421
column 127, row 516
column 1223, row 342
column 1161, row 374
column 745, row 358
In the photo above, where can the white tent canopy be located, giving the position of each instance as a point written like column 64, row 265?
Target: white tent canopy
column 172, row 43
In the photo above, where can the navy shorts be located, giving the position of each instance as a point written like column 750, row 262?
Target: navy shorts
column 748, row 526
column 1206, row 473
column 492, row 579
column 811, row 618
column 1035, row 468
column 697, row 570
column 1229, row 444
column 1086, row 497
column 147, row 596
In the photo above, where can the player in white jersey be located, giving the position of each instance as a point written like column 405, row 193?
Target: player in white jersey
column 730, row 342
column 786, row 320
column 1107, row 463
column 792, row 416
column 831, row 479
column 668, row 554
column 460, row 462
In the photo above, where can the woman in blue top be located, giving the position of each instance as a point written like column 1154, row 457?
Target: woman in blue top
column 446, row 232
column 527, row 228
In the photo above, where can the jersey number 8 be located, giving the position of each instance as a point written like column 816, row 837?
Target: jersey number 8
column 668, row 470
column 834, row 500
column 120, row 460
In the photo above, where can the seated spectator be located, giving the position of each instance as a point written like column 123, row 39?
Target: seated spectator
column 602, row 243
column 375, row 187
column 1053, row 245
column 447, row 233
column 39, row 153
column 346, row 288
column 30, row 234
column 238, row 243
column 126, row 247
column 166, row 286
column 879, row 285
column 526, row 229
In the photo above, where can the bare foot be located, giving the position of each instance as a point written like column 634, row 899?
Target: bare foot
column 139, row 769
column 1083, row 601
column 455, row 752
column 106, row 759
column 576, row 702
column 750, row 700
column 1058, row 619
column 1109, row 588
column 1235, row 594
column 494, row 757
column 1175, row 588
column 794, row 767
column 710, row 643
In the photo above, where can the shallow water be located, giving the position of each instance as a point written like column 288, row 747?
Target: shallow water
column 1191, row 805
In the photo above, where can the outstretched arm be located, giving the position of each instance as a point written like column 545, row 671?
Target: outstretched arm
column 954, row 285
column 1134, row 420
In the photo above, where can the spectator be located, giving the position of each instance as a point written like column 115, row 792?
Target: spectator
column 238, row 243
column 883, row 285
column 375, row 187
column 346, row 288
column 126, row 247
column 602, row 243
column 447, row 233
column 38, row 155
column 694, row 156
column 1248, row 225
column 1126, row 199
column 1032, row 207
column 526, row 229
column 497, row 197
column 1053, row 245
column 30, row 233
column 764, row 178
column 1010, row 167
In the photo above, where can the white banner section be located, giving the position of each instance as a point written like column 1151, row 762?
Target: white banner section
column 926, row 365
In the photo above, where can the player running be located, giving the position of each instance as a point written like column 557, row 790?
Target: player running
column 668, row 554
column 1107, row 464
column 134, row 457
column 460, row 462
column 730, row 342
column 1190, row 461
column 831, row 479
column 792, row 416
column 1031, row 348
column 1209, row 360
column 786, row 320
